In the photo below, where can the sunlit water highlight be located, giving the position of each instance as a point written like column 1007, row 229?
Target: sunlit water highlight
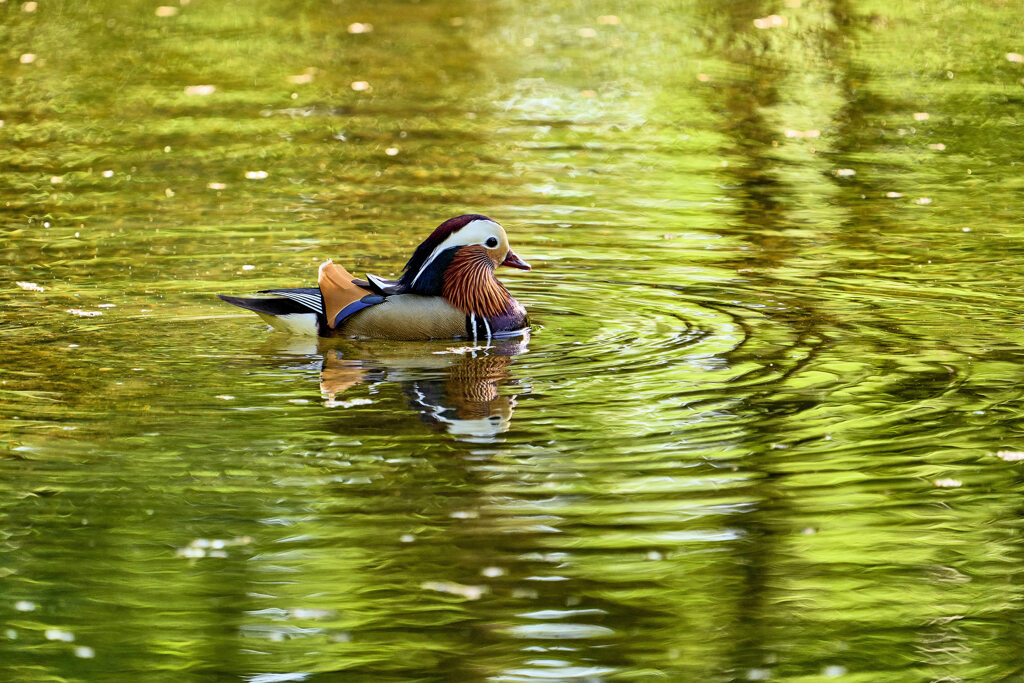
column 766, row 426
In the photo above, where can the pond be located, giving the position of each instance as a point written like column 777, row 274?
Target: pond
column 768, row 423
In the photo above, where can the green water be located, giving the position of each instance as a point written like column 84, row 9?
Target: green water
column 768, row 424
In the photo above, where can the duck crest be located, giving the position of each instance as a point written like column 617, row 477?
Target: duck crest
column 427, row 247
column 469, row 284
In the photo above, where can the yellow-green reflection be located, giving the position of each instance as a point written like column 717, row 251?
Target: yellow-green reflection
column 767, row 425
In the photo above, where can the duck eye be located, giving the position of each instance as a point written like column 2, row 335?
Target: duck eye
column 491, row 242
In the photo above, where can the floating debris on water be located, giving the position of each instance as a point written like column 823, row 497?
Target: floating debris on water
column 25, row 606
column 166, row 11
column 948, row 483
column 30, row 286
column 248, row 266
column 391, row 151
column 938, row 146
column 84, row 314
column 703, row 78
column 812, row 133
column 893, row 195
column 1015, row 57
column 84, row 652
column 58, row 634
column 921, row 116
column 771, row 21
column 1010, row 456
column 27, row 58
column 360, row 27
column 923, row 200
column 200, row 89
column 225, row 397
column 216, row 186
column 256, row 175
column 56, row 179
column 845, row 172
column 108, row 174
column 29, row 6
column 211, row 547
column 360, row 86
column 464, row 591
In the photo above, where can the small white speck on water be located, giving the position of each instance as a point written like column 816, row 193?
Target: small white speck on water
column 771, row 21
column 360, row 86
column 256, row 175
column 1010, row 456
column 84, row 652
column 58, row 634
column 248, row 267
column 200, row 90
column 25, row 606
column 360, row 27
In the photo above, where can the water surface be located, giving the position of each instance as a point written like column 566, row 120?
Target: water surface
column 767, row 425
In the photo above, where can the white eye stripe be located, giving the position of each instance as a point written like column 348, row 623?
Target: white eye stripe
column 474, row 232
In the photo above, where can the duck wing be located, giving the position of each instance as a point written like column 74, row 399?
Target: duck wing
column 342, row 293
column 380, row 285
column 308, row 298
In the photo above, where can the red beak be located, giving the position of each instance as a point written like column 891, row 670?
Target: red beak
column 512, row 260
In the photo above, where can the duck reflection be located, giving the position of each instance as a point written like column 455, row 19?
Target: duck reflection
column 456, row 388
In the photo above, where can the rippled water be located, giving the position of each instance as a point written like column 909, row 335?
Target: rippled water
column 767, row 425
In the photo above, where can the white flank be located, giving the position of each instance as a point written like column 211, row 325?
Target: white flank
column 293, row 323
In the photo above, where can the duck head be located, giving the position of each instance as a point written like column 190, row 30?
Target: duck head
column 457, row 261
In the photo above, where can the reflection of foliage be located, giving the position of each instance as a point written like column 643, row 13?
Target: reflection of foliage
column 753, row 435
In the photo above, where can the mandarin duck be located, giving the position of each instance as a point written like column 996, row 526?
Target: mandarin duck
column 446, row 290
